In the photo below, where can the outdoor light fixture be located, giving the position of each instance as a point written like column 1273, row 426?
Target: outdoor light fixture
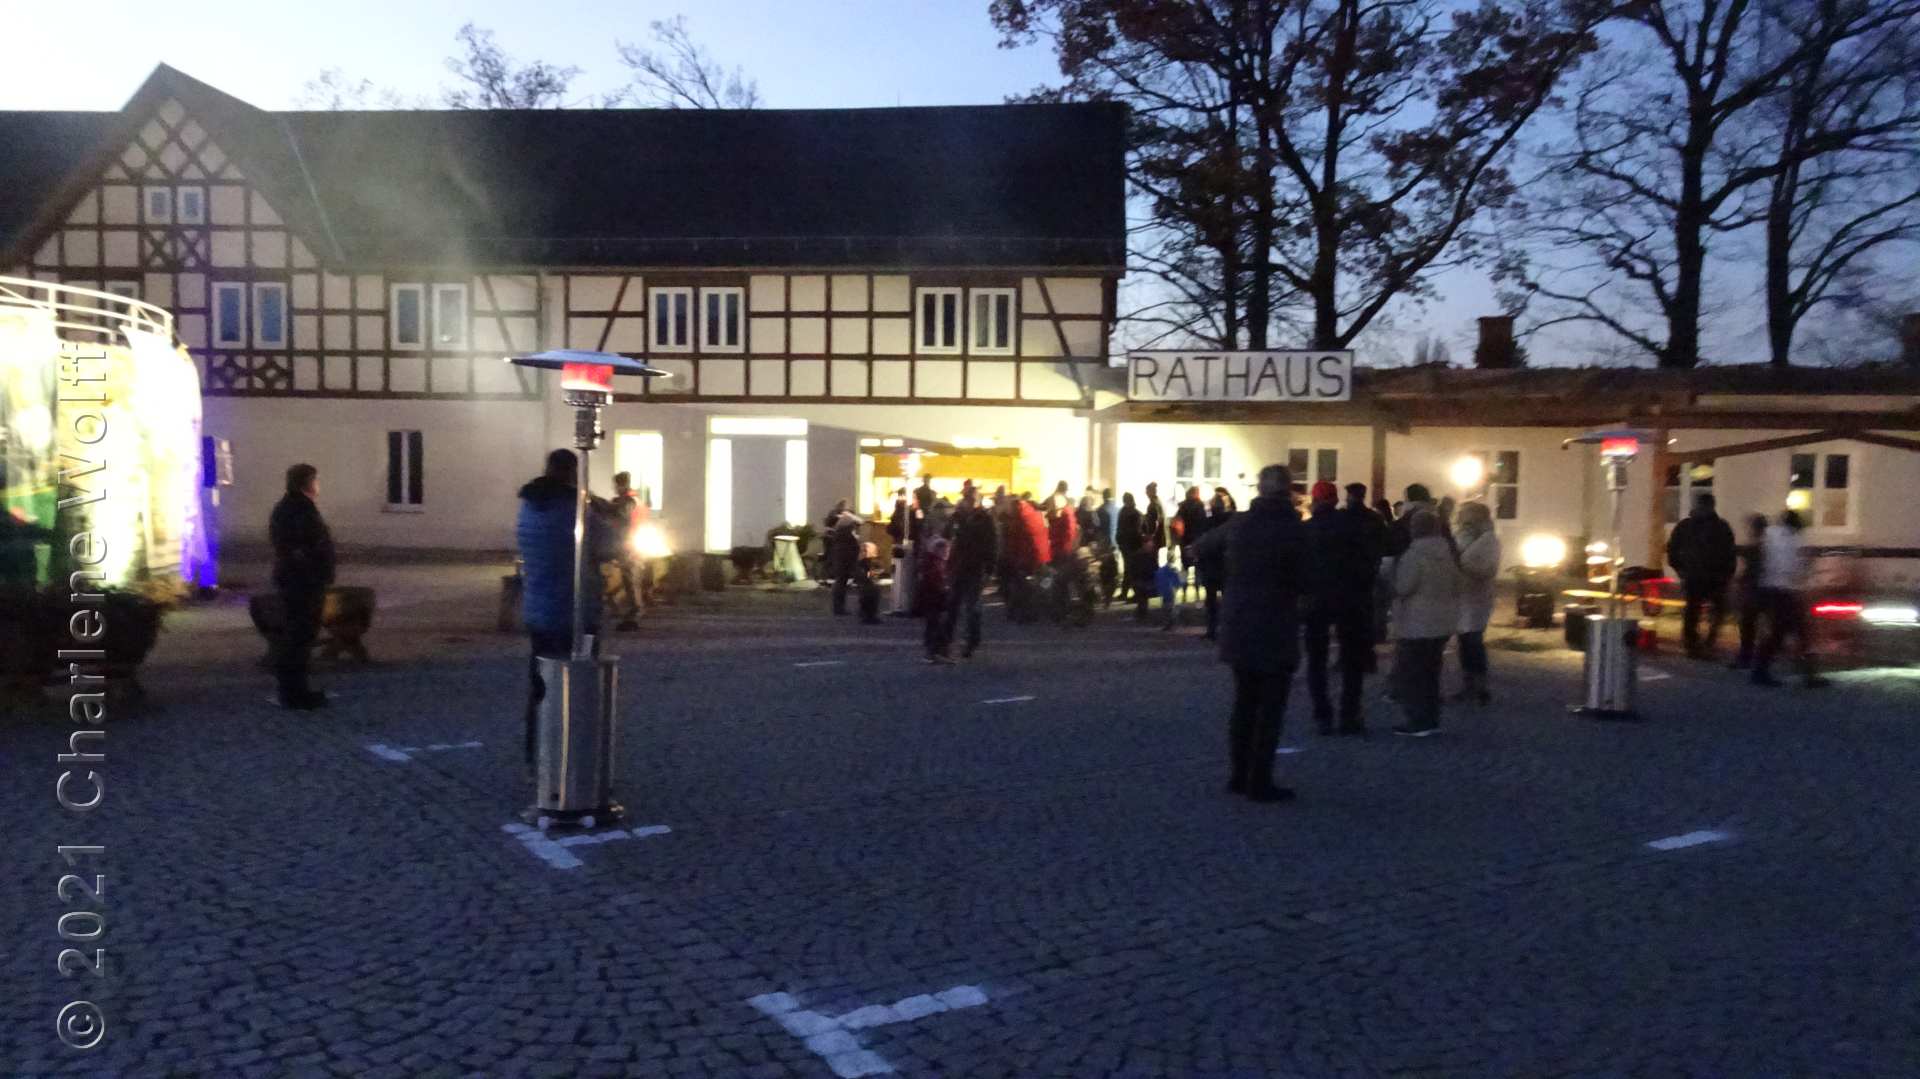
column 649, row 542
column 1543, row 551
column 1799, row 500
column 574, row 740
column 1467, row 473
column 1609, row 671
column 1890, row 616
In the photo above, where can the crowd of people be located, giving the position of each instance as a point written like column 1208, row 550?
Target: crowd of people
column 1766, row 579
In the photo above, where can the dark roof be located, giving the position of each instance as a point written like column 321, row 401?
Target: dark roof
column 1001, row 185
column 37, row 151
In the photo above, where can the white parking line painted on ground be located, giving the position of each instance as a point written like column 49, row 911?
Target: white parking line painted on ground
column 405, row 754
column 1007, row 700
column 1289, row 749
column 1690, row 839
column 822, row 663
column 831, row 1037
column 554, row 851
column 1653, row 676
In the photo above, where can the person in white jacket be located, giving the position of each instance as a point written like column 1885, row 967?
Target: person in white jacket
column 1479, row 568
column 1426, row 611
column 1783, row 576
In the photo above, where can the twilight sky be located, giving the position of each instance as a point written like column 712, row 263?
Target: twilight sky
column 817, row 53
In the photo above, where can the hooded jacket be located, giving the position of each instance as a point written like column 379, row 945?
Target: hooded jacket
column 544, row 532
column 1702, row 549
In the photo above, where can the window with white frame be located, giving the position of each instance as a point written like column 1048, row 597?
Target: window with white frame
column 190, row 205
column 406, row 471
column 1197, row 466
column 1820, row 489
column 720, row 319
column 159, row 201
column 938, row 320
column 1499, row 482
column 229, row 315
column 992, row 325
column 670, row 319
column 269, row 315
column 1683, row 484
column 1310, row 465
column 407, row 317
column 450, row 316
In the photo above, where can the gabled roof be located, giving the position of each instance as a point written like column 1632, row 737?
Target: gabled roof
column 999, row 185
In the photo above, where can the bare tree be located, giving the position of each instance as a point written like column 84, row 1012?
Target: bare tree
column 1367, row 137
column 1829, row 213
column 679, row 74
column 1664, row 155
column 334, row 89
column 492, row 80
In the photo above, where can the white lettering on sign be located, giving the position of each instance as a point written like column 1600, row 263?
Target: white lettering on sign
column 1325, row 375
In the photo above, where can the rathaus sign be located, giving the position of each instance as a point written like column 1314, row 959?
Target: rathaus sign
column 1312, row 375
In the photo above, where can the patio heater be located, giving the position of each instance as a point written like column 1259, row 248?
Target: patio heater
column 575, row 737
column 1610, row 670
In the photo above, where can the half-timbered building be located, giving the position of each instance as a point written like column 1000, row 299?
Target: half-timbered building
column 829, row 290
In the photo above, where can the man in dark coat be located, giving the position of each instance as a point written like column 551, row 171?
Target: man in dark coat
column 975, row 553
column 842, row 552
column 302, row 570
column 1127, row 541
column 1343, row 555
column 1703, row 551
column 1153, row 539
column 1260, row 631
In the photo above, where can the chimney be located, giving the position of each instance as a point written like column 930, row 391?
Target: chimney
column 1910, row 339
column 1496, row 348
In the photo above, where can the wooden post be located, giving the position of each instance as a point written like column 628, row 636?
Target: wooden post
column 1379, row 477
column 1660, row 459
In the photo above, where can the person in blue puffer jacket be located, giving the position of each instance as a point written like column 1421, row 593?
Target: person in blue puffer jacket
column 544, row 533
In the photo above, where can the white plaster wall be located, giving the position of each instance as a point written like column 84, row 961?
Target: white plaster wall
column 477, row 455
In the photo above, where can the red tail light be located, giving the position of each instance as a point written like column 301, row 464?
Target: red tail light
column 1838, row 610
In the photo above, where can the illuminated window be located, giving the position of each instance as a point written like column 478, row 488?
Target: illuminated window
column 270, row 315
column 450, row 316
column 229, row 315
column 992, row 327
column 670, row 319
column 408, row 317
column 1819, row 488
column 1500, row 482
column 719, row 530
column 642, row 456
column 938, row 323
column 406, row 471
column 1683, row 482
column 1197, row 466
column 1309, row 466
column 720, row 319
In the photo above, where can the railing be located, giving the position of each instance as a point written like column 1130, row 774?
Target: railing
column 83, row 311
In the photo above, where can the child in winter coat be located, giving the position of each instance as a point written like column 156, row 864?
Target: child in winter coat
column 930, row 593
column 1166, row 580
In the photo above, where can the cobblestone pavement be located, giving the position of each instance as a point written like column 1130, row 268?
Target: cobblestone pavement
column 869, row 867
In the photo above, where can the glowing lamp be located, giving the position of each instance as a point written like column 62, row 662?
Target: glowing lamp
column 649, row 542
column 1542, row 551
column 1467, row 472
column 1799, row 500
column 1616, row 448
column 1891, row 616
column 592, row 377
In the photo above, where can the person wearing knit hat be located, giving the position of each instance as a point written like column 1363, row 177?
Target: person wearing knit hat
column 1342, row 558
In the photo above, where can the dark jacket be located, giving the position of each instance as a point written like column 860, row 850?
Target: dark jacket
column 1127, row 530
column 1192, row 515
column 1153, row 526
column 976, row 544
column 1211, row 560
column 1703, row 550
column 544, row 531
column 1400, row 533
column 1342, row 560
column 1260, row 618
column 842, row 545
column 302, row 546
